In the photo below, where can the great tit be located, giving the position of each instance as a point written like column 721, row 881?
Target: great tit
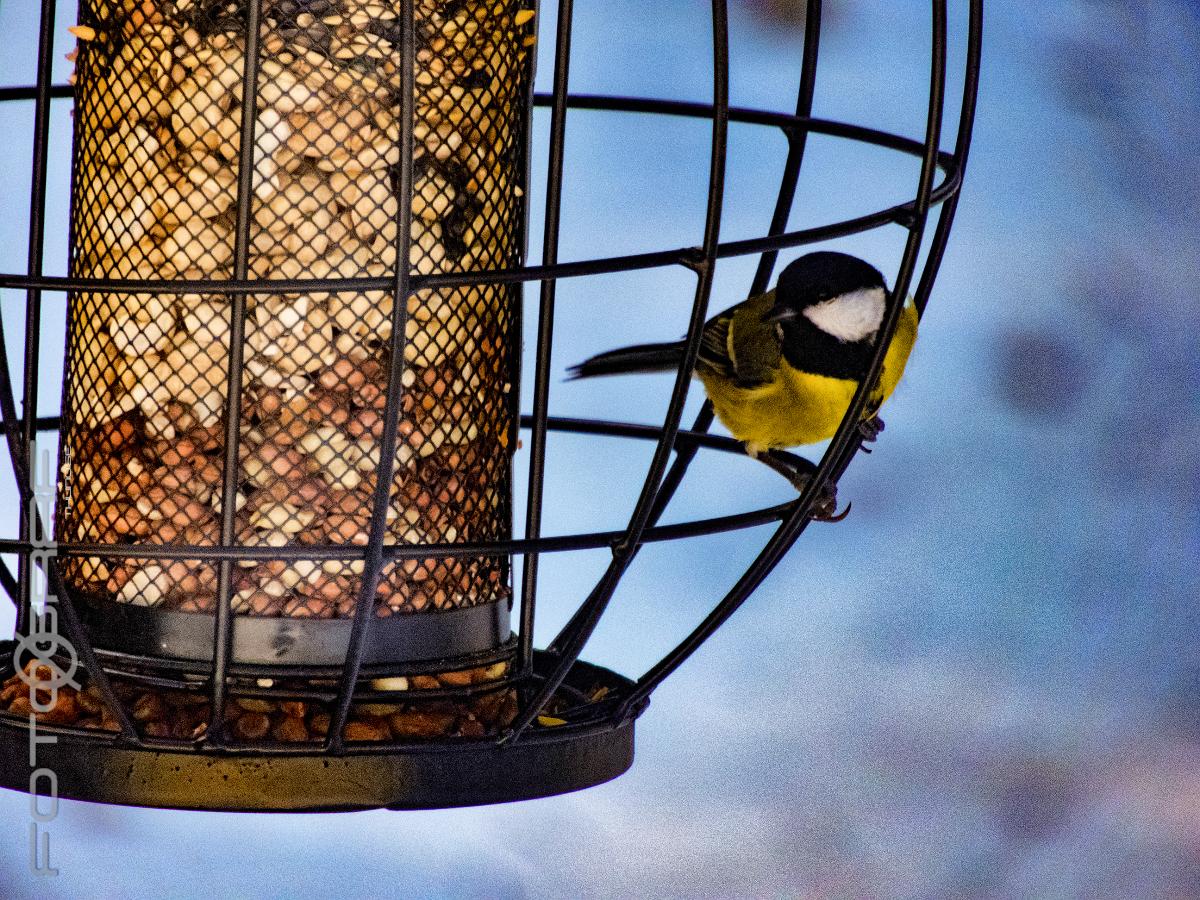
column 781, row 368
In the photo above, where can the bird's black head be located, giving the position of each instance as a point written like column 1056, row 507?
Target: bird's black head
column 829, row 307
column 830, row 295
column 817, row 277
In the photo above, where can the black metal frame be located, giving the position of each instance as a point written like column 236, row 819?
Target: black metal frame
column 538, row 674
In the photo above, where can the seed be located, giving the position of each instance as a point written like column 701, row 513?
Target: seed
column 148, row 707
column 365, row 731
column 291, row 730
column 283, row 516
column 147, row 586
column 251, row 704
column 398, row 683
column 252, row 726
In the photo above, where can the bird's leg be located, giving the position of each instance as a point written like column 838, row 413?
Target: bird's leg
column 799, row 472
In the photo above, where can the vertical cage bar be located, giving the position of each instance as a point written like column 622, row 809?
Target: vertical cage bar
column 223, row 623
column 933, row 132
column 797, row 143
column 916, row 227
column 29, row 525
column 571, row 639
column 962, row 146
column 8, row 582
column 848, row 439
column 791, row 528
column 373, row 565
column 16, row 454
column 545, row 337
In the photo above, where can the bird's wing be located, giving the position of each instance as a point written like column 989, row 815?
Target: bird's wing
column 713, row 357
column 752, row 346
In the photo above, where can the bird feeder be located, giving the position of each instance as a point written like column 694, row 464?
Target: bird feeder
column 271, row 567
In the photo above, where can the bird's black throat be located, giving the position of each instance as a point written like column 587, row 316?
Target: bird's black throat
column 809, row 349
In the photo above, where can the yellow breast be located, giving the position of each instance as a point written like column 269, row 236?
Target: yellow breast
column 798, row 407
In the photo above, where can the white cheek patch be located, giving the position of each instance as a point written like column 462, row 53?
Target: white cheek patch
column 850, row 317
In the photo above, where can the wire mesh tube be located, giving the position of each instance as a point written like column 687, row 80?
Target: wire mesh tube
column 158, row 122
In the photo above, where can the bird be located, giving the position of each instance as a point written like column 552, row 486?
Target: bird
column 781, row 367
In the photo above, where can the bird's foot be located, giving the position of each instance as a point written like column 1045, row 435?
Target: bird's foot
column 799, row 472
column 870, row 427
column 824, row 508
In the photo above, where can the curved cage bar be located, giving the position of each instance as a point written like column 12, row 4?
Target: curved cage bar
column 777, row 239
column 224, row 238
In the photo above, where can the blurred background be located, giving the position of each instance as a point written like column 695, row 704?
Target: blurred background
column 985, row 683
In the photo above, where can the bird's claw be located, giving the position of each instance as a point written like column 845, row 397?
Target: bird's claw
column 870, row 428
column 799, row 472
column 824, row 508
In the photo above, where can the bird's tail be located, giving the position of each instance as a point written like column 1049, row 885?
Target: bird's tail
column 638, row 358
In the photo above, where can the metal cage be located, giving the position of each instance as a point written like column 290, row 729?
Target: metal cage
column 483, row 716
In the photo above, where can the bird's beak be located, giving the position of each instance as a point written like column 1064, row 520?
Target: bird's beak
column 781, row 314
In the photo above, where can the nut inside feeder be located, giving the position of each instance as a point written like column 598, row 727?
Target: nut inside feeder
column 155, row 196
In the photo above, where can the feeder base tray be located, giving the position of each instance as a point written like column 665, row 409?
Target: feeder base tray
column 92, row 766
